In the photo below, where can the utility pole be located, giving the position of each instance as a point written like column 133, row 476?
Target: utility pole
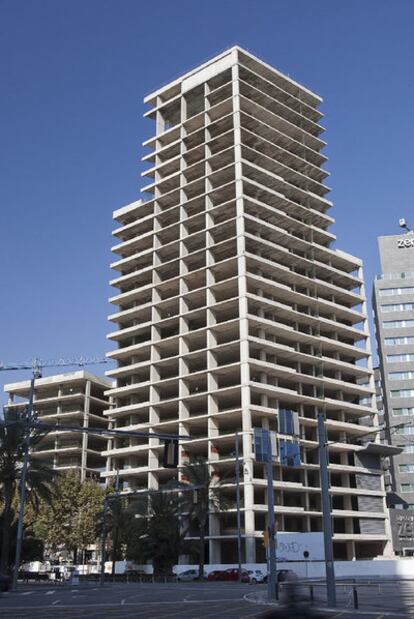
column 272, row 583
column 23, row 478
column 239, row 550
column 103, row 540
column 326, row 513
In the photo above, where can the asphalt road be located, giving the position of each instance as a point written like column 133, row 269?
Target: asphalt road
column 182, row 601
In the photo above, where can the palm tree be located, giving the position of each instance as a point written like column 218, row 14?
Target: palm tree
column 13, row 437
column 202, row 501
column 157, row 534
column 119, row 523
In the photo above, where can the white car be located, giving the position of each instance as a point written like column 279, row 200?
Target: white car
column 188, row 575
column 255, row 576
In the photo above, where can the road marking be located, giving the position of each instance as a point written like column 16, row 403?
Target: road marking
column 123, row 601
column 50, row 592
column 55, row 602
column 27, row 592
column 208, row 601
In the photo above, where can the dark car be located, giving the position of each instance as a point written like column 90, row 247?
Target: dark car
column 283, row 575
column 5, row 582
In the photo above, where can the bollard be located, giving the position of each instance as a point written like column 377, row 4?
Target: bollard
column 355, row 594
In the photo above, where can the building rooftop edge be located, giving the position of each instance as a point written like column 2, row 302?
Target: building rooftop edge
column 128, row 207
column 223, row 54
column 55, row 378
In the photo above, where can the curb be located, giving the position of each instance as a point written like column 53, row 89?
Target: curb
column 253, row 598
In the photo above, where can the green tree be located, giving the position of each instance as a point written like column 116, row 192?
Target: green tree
column 120, row 522
column 13, row 438
column 201, row 502
column 70, row 522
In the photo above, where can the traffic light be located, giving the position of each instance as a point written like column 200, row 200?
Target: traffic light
column 170, row 454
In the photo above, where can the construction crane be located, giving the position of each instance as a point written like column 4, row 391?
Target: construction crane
column 36, row 365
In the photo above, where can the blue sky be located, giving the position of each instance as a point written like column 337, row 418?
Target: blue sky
column 74, row 73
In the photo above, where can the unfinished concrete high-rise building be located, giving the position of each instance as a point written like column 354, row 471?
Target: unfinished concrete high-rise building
column 232, row 305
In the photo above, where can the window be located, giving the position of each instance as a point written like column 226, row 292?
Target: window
column 400, row 358
column 407, row 487
column 397, row 324
column 406, row 468
column 397, row 307
column 408, row 449
column 401, row 375
column 388, row 292
column 402, row 393
column 397, row 341
column 399, row 412
column 405, row 430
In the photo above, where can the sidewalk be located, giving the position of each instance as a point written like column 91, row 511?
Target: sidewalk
column 395, row 599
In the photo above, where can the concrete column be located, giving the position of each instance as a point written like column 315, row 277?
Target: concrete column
column 86, row 409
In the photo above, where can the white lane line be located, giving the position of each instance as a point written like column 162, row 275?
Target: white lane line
column 123, row 602
column 27, row 592
column 208, row 601
column 50, row 592
column 55, row 602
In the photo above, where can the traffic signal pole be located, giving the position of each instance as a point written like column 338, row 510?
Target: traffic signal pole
column 326, row 513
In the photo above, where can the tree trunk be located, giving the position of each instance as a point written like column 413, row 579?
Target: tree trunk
column 5, row 538
column 201, row 551
column 115, row 550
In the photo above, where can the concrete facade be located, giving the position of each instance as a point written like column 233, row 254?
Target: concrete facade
column 231, row 304
column 74, row 398
column 393, row 302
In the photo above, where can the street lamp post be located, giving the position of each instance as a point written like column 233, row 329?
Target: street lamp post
column 272, row 584
column 239, row 549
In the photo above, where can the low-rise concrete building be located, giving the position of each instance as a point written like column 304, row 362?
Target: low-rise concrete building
column 70, row 399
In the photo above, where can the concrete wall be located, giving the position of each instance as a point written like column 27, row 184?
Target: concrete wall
column 382, row 568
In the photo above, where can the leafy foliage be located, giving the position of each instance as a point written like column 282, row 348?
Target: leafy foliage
column 201, row 502
column 71, row 520
column 13, row 439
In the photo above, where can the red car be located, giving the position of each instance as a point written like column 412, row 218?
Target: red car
column 229, row 575
column 217, row 575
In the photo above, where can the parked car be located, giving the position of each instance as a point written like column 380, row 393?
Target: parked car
column 188, row 575
column 283, row 575
column 253, row 576
column 232, row 574
column 217, row 575
column 5, row 582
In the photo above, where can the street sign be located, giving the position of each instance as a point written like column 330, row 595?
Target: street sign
column 261, row 445
column 289, row 454
column 289, row 422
